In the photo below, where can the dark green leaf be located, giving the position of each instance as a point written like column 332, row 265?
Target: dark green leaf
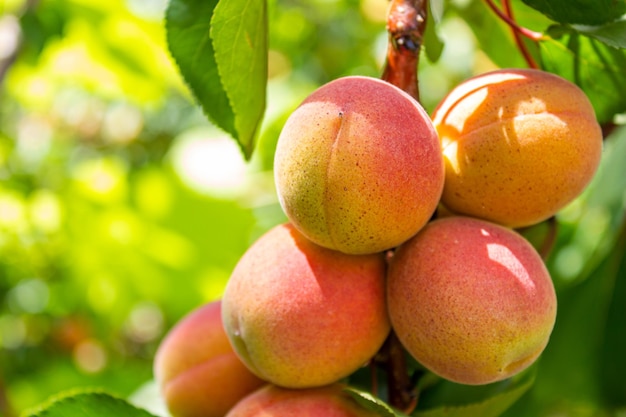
column 239, row 33
column 87, row 404
column 587, row 12
column 597, row 68
column 613, row 34
column 448, row 399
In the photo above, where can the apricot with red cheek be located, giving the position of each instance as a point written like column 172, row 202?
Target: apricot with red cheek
column 300, row 315
column 358, row 166
column 471, row 300
column 197, row 370
column 273, row 401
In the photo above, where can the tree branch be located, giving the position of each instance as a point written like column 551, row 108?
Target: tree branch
column 406, row 24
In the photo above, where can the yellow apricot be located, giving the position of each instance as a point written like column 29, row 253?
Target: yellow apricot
column 518, row 144
column 358, row 166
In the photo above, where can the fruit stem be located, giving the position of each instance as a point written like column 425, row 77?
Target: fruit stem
column 406, row 23
column 401, row 391
column 509, row 20
column 550, row 240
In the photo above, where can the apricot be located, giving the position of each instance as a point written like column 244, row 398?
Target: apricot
column 300, row 315
column 327, row 401
column 518, row 144
column 196, row 368
column 470, row 300
column 358, row 166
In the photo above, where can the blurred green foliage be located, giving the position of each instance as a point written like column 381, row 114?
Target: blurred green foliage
column 122, row 208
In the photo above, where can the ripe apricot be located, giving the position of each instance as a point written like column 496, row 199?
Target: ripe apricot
column 273, row 401
column 300, row 315
column 471, row 300
column 196, row 368
column 358, row 166
column 518, row 144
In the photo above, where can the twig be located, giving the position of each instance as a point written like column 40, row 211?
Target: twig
column 535, row 36
column 508, row 10
column 406, row 23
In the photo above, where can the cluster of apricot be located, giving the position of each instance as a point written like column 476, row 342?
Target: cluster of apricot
column 361, row 171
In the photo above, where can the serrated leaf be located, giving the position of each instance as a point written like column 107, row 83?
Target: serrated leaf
column 240, row 38
column 505, row 394
column 586, row 12
column 595, row 67
column 613, row 34
column 370, row 402
column 188, row 24
column 87, row 404
column 221, row 51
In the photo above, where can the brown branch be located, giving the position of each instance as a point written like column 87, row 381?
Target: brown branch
column 401, row 391
column 550, row 239
column 6, row 410
column 406, row 24
column 508, row 10
column 535, row 36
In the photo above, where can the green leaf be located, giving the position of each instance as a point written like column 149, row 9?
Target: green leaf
column 587, row 12
column 87, row 404
column 595, row 67
column 593, row 221
column 612, row 34
column 373, row 403
column 491, row 400
column 221, row 51
column 240, row 38
column 433, row 44
column 570, row 380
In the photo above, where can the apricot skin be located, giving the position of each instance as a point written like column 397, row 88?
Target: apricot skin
column 300, row 315
column 327, row 401
column 358, row 166
column 518, row 144
column 197, row 370
column 471, row 300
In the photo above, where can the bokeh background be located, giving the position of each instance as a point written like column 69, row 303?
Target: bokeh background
column 122, row 208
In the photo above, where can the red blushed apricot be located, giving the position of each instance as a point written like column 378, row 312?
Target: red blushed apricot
column 328, row 401
column 358, row 166
column 300, row 315
column 470, row 300
column 197, row 370
column 518, row 144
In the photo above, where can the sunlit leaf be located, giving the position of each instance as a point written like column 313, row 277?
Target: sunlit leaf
column 88, row 404
column 239, row 33
column 221, row 50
